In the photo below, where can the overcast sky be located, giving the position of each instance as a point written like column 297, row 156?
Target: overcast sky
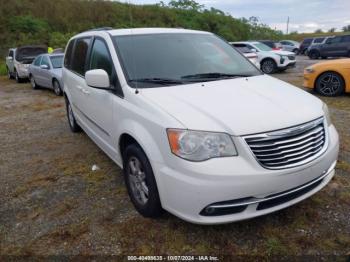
column 305, row 15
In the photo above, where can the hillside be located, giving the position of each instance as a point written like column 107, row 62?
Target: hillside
column 53, row 22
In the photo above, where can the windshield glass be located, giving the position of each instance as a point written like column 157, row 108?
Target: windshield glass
column 178, row 57
column 56, row 61
column 262, row 47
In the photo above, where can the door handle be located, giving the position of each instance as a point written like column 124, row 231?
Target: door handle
column 86, row 92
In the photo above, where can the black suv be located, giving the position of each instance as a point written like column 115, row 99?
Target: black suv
column 337, row 46
column 304, row 45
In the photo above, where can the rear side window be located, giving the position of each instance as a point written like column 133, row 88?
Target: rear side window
column 37, row 61
column 335, row 40
column 68, row 56
column 307, row 40
column 79, row 55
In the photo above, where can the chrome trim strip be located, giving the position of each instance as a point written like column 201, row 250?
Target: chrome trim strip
column 260, row 200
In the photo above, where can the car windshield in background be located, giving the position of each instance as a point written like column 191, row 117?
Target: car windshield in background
column 172, row 59
column 262, row 47
column 56, row 61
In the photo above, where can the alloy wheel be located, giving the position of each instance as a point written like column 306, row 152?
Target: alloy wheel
column 268, row 67
column 329, row 84
column 137, row 178
column 56, row 88
column 70, row 115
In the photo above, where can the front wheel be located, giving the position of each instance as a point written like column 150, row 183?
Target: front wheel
column 140, row 182
column 330, row 84
column 314, row 54
column 296, row 51
column 9, row 75
column 268, row 66
column 57, row 88
column 71, row 118
column 18, row 79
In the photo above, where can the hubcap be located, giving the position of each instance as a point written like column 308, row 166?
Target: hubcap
column 70, row 116
column 137, row 178
column 56, row 88
column 329, row 84
column 268, row 66
column 32, row 81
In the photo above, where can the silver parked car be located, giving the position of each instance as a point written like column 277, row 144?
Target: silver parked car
column 46, row 71
column 290, row 45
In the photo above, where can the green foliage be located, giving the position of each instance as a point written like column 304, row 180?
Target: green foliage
column 318, row 31
column 3, row 70
column 54, row 22
column 332, row 30
column 27, row 24
column 346, row 28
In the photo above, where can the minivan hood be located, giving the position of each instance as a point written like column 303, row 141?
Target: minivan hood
column 238, row 106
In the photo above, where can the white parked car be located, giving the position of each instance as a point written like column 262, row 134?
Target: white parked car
column 19, row 59
column 270, row 60
column 198, row 130
column 252, row 56
column 290, row 45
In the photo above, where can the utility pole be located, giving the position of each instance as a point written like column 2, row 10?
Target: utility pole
column 287, row 25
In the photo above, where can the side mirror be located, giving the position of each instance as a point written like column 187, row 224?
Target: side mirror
column 46, row 67
column 97, row 78
column 254, row 50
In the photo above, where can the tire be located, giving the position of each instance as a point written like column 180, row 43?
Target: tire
column 57, row 88
column 140, row 182
column 324, row 57
column 9, row 75
column 314, row 54
column 268, row 66
column 74, row 127
column 330, row 84
column 32, row 82
column 18, row 79
column 296, row 51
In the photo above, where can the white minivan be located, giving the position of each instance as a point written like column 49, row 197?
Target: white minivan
column 198, row 130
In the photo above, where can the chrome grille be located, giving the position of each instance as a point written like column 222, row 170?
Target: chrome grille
column 289, row 147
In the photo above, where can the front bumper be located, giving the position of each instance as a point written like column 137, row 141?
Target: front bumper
column 286, row 65
column 23, row 72
column 188, row 188
column 309, row 80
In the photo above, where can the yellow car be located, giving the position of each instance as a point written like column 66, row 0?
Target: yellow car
column 331, row 78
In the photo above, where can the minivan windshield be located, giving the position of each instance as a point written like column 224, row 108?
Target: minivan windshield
column 166, row 59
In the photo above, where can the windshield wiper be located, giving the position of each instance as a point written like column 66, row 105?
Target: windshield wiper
column 213, row 76
column 161, row 81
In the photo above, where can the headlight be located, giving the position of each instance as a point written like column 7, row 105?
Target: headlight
column 309, row 70
column 326, row 114
column 200, row 146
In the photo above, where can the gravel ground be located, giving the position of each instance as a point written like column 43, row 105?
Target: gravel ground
column 52, row 203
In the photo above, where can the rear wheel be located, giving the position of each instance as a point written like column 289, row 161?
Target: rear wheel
column 140, row 182
column 314, row 54
column 32, row 82
column 330, row 84
column 57, row 88
column 296, row 51
column 71, row 118
column 268, row 66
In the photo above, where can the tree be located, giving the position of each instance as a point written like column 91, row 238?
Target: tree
column 332, row 30
column 346, row 28
column 318, row 31
column 186, row 4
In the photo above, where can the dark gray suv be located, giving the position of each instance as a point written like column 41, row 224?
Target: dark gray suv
column 338, row 46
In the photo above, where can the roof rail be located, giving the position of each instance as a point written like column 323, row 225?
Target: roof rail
column 100, row 29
